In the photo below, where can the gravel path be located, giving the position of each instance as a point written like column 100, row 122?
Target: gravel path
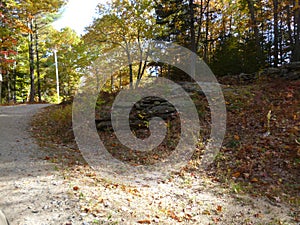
column 32, row 191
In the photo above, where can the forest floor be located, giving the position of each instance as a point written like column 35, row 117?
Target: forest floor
column 253, row 180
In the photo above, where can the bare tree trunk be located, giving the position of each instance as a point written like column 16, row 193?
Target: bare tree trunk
column 142, row 66
column 129, row 65
column 1, row 85
column 199, row 25
column 142, row 69
column 31, row 64
column 8, row 87
column 15, row 86
column 37, row 61
column 255, row 29
column 0, row 92
column 120, row 80
column 112, row 82
column 130, row 76
column 205, row 55
column 192, row 26
column 296, row 49
column 290, row 33
column 276, row 32
column 253, row 21
column 281, row 28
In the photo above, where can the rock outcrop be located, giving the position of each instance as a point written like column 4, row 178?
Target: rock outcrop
column 142, row 112
column 289, row 71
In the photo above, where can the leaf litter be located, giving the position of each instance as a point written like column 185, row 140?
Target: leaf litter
column 254, row 179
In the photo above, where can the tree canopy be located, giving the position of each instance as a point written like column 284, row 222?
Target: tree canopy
column 232, row 37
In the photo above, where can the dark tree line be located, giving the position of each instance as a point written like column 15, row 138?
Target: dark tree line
column 234, row 36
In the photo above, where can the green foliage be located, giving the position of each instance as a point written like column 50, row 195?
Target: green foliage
column 228, row 57
column 68, row 46
column 231, row 37
column 112, row 30
column 234, row 56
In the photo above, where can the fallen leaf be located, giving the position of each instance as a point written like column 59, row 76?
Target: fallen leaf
column 258, row 215
column 144, row 221
column 236, row 137
column 206, row 212
column 254, row 180
column 75, row 188
column 236, row 175
column 216, row 220
column 174, row 216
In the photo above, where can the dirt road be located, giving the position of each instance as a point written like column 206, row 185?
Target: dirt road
column 32, row 192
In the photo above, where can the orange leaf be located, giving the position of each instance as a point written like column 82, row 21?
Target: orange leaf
column 236, row 175
column 236, row 137
column 174, row 216
column 254, row 180
column 144, row 221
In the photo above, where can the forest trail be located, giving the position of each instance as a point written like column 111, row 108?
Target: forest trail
column 32, row 192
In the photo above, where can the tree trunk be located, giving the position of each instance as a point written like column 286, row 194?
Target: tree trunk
column 8, row 87
column 37, row 62
column 281, row 28
column 296, row 48
column 255, row 29
column 0, row 92
column 290, row 33
column 112, row 83
column 142, row 68
column 199, row 25
column 15, row 86
column 31, row 64
column 192, row 26
column 205, row 55
column 120, row 80
column 276, row 32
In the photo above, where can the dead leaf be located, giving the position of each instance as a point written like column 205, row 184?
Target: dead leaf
column 75, row 188
column 216, row 220
column 254, row 180
column 144, row 221
column 206, row 212
column 236, row 137
column 258, row 215
column 236, row 175
column 174, row 216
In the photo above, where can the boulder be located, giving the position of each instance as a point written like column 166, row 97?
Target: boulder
column 273, row 71
column 141, row 112
column 292, row 66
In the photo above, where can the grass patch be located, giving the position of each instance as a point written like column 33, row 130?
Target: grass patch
column 54, row 124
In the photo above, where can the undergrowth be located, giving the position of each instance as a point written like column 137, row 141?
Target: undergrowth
column 54, row 124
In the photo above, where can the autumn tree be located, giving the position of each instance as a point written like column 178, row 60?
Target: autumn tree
column 124, row 24
column 29, row 12
column 8, row 42
column 68, row 46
